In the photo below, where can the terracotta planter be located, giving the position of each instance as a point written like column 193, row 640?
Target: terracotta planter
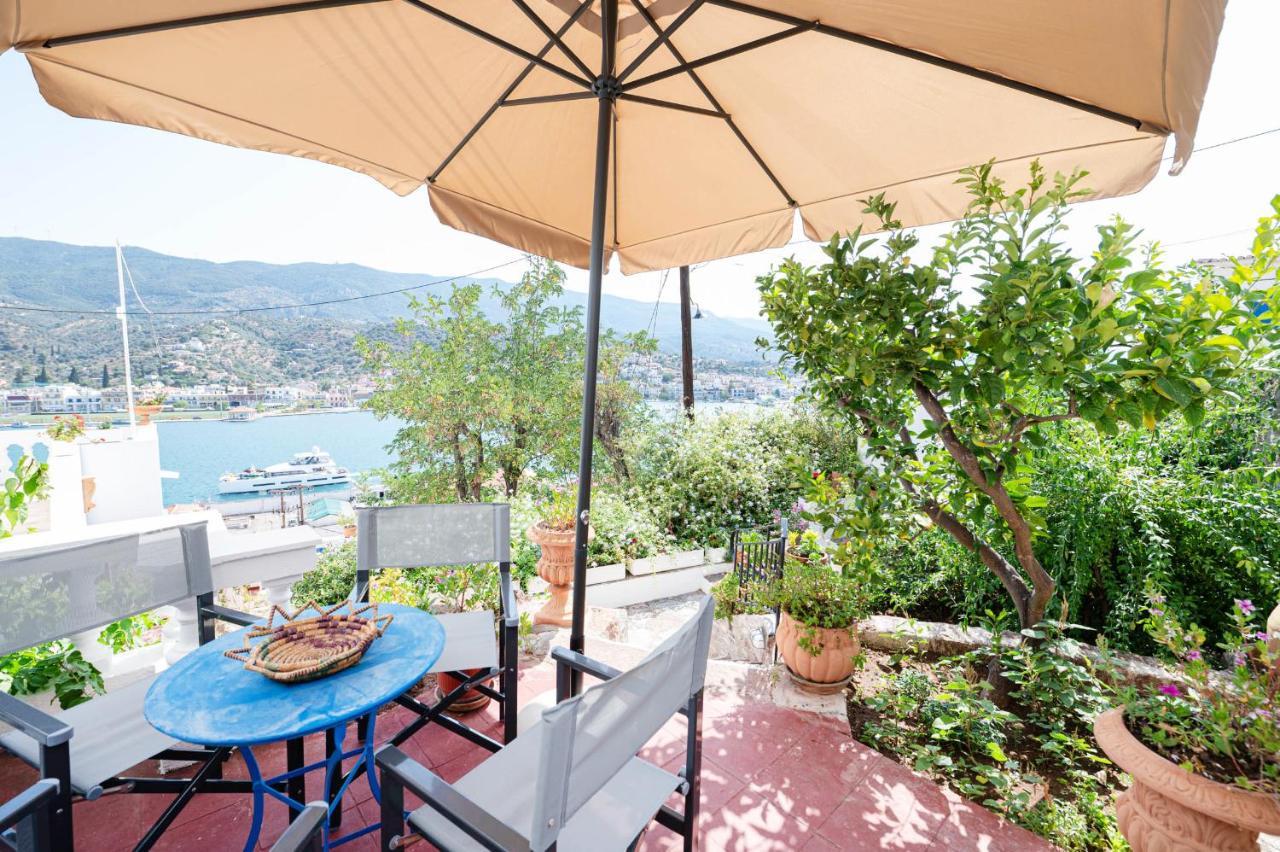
column 144, row 412
column 349, row 531
column 469, row 702
column 1169, row 808
column 555, row 565
column 834, row 664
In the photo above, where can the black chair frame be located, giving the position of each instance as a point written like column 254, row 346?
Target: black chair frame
column 54, row 736
column 506, row 673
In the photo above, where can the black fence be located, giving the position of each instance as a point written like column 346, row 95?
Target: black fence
column 758, row 555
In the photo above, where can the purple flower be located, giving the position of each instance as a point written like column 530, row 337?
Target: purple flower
column 1261, row 636
column 1157, row 599
column 1239, row 659
column 1156, row 612
column 1170, row 690
column 1246, row 607
column 1193, row 654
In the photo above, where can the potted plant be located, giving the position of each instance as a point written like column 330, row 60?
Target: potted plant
column 460, row 589
column 66, row 428
column 1203, row 752
column 819, row 608
column 554, row 535
column 147, row 406
column 748, row 623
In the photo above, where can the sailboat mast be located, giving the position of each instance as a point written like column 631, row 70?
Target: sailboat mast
column 124, row 334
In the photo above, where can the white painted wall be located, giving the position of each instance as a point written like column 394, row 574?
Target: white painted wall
column 125, row 466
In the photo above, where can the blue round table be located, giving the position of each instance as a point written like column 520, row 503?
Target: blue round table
column 210, row 700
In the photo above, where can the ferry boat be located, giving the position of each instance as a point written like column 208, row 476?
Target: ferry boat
column 308, row 469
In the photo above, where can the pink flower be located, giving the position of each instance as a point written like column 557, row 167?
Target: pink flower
column 1239, row 659
column 1246, row 607
column 1193, row 654
column 1170, row 690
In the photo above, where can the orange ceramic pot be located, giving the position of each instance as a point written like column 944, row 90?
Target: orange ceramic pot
column 555, row 565
column 833, row 664
column 143, row 413
column 1169, row 808
column 468, row 702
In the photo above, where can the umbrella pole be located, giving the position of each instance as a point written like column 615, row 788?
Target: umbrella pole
column 606, row 90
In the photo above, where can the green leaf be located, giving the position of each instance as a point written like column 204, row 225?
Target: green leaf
column 997, row 753
column 1226, row 340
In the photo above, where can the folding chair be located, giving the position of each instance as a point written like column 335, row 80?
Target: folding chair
column 306, row 833
column 52, row 592
column 443, row 535
column 573, row 780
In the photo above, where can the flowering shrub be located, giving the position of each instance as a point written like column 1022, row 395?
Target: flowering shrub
column 66, row 428
column 1227, row 731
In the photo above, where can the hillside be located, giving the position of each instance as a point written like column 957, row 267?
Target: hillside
column 69, row 277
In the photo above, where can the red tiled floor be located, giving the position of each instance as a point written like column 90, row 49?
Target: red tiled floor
column 889, row 808
column 773, row 779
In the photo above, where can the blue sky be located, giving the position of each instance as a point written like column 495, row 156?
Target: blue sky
column 94, row 182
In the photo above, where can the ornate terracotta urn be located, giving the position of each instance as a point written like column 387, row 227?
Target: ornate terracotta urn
column 830, row 667
column 555, row 566
column 1169, row 808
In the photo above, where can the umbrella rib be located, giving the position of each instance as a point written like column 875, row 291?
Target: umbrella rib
column 555, row 38
column 803, row 27
column 930, row 59
column 547, row 99
column 203, row 20
column 641, row 99
column 520, row 78
column 663, row 36
column 711, row 99
column 485, row 35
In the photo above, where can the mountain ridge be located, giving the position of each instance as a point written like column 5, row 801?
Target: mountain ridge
column 58, row 275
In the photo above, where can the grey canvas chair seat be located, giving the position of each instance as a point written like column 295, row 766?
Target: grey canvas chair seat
column 110, row 738
column 505, row 784
column 470, row 643
column 573, row 780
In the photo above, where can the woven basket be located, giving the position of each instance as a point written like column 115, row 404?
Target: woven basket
column 303, row 649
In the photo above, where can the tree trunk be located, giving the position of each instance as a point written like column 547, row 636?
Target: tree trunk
column 1029, row 600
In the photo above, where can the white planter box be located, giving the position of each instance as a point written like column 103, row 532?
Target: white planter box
column 652, row 564
column 689, row 558
column 605, row 573
column 139, row 659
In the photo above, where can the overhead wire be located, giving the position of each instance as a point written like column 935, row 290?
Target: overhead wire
column 343, row 300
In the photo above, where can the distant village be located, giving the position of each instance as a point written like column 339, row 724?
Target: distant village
column 78, row 399
column 656, row 377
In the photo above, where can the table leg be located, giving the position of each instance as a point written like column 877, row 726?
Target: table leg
column 333, row 739
column 371, row 768
column 296, row 787
column 255, row 828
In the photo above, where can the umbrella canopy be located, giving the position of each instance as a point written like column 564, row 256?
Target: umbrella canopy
column 664, row 131
column 745, row 114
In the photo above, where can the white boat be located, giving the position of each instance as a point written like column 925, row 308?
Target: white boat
column 308, row 469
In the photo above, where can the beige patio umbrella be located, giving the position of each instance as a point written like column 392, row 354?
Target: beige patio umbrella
column 692, row 130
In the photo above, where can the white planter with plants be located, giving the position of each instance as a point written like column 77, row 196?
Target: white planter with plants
column 689, row 558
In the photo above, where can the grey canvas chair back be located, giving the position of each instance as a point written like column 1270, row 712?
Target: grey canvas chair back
column 433, row 535
column 56, row 591
column 589, row 738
